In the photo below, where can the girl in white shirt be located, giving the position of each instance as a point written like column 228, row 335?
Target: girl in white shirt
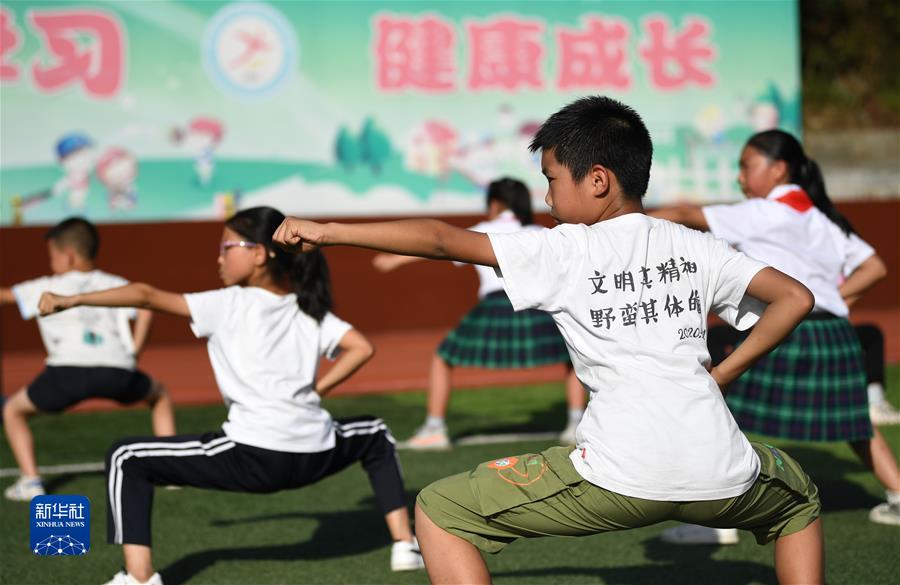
column 266, row 331
column 492, row 335
column 812, row 387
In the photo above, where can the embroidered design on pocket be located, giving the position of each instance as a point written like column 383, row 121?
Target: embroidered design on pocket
column 516, row 477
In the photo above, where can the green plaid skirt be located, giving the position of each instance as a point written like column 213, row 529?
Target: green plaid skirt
column 812, row 387
column 492, row 335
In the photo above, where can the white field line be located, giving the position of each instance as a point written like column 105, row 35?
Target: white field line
column 505, row 438
column 57, row 469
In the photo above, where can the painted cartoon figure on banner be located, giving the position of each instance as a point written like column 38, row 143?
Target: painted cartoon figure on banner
column 201, row 138
column 76, row 154
column 117, row 171
column 436, row 148
column 502, row 150
column 766, row 110
column 431, row 146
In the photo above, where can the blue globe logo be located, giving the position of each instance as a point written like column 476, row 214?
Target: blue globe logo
column 59, row 545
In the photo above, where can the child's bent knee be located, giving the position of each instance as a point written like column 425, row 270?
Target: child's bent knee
column 19, row 404
column 117, row 449
column 157, row 392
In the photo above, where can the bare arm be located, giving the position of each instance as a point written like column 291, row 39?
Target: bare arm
column 355, row 351
column 138, row 295
column 789, row 302
column 142, row 329
column 389, row 262
column 426, row 238
column 6, row 296
column 686, row 214
column 862, row 279
column 851, row 300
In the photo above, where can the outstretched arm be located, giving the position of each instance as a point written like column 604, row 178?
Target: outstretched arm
column 426, row 238
column 137, row 295
column 355, row 351
column 389, row 262
column 686, row 214
column 6, row 296
column 789, row 302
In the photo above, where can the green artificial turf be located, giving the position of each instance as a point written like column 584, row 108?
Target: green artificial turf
column 332, row 533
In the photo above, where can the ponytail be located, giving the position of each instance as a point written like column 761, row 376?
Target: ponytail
column 311, row 283
column 810, row 178
column 513, row 195
column 803, row 171
column 307, row 273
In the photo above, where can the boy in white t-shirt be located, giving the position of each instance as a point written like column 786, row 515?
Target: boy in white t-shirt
column 90, row 352
column 630, row 295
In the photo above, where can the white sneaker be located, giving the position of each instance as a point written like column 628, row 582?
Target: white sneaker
column 24, row 489
column 567, row 437
column 886, row 513
column 406, row 556
column 883, row 413
column 428, row 438
column 693, row 534
column 123, row 578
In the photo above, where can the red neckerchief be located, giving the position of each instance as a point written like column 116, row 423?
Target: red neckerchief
column 796, row 199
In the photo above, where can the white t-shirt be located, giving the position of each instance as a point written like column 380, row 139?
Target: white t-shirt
column 794, row 237
column 505, row 222
column 265, row 353
column 83, row 336
column 630, row 296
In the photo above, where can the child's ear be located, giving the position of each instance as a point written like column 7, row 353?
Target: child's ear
column 781, row 171
column 600, row 178
column 260, row 255
column 71, row 256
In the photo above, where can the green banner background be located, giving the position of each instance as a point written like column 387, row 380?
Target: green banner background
column 325, row 140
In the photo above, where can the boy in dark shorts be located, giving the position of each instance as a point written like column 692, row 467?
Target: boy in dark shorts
column 91, row 352
column 630, row 295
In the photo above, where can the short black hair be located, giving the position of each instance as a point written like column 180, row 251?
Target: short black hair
column 600, row 130
column 76, row 233
column 513, row 195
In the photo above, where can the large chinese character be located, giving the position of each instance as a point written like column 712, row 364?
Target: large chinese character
column 505, row 54
column 597, row 281
column 624, row 279
column 414, row 54
column 43, row 511
column 98, row 64
column 629, row 314
column 76, row 512
column 594, row 57
column 602, row 317
column 645, row 277
column 673, row 307
column 694, row 302
column 10, row 41
column 674, row 58
column 668, row 271
column 687, row 266
column 649, row 311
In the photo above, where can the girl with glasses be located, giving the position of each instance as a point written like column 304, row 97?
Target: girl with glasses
column 265, row 331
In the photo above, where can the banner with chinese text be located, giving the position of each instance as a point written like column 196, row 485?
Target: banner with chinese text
column 150, row 111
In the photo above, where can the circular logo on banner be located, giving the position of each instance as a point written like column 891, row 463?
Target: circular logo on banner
column 249, row 49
